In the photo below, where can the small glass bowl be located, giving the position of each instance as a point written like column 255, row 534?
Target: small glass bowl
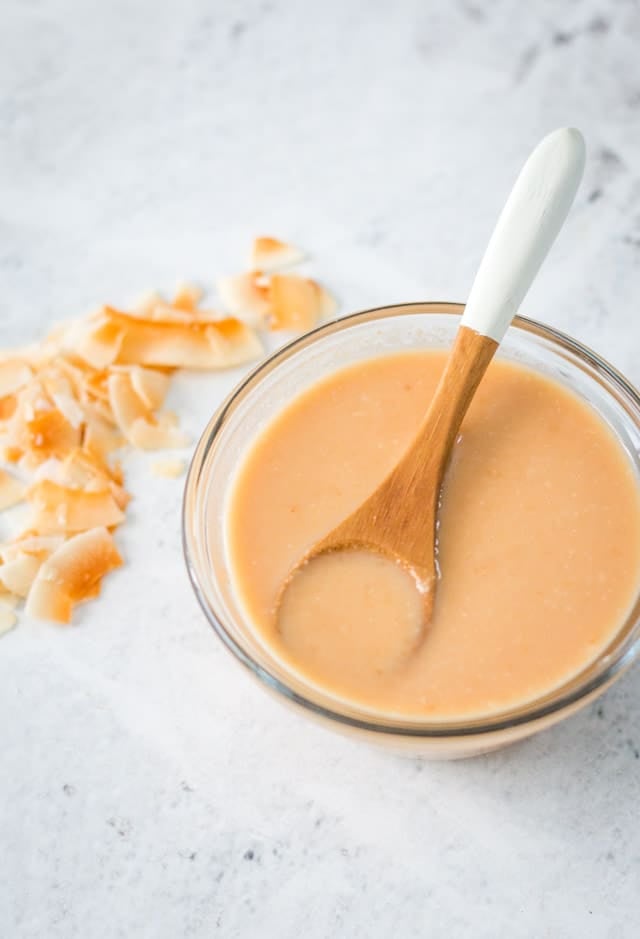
column 266, row 391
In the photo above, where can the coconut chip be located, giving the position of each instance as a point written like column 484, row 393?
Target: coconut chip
column 297, row 303
column 269, row 254
column 150, row 385
column 17, row 575
column 246, row 296
column 61, row 509
column 168, row 469
column 199, row 344
column 72, row 574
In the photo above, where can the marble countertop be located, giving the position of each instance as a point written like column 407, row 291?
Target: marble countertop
column 147, row 787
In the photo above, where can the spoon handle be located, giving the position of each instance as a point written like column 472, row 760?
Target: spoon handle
column 527, row 227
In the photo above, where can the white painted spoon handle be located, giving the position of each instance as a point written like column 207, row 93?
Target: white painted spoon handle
column 532, row 217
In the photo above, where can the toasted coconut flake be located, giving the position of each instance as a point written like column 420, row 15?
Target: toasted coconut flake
column 17, row 575
column 102, row 410
column 50, row 469
column 97, row 342
column 99, row 438
column 161, row 435
column 7, row 407
column 187, row 297
column 268, row 254
column 150, row 385
column 72, row 574
column 75, row 371
column 126, row 405
column 246, row 296
column 168, row 469
column 85, row 470
column 200, row 345
column 297, row 302
column 12, row 490
column 69, row 408
column 7, row 618
column 95, row 386
column 49, row 433
column 14, row 374
column 60, row 509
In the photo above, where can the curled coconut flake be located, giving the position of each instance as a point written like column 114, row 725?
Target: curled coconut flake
column 267, row 254
column 82, row 469
column 150, row 385
column 72, row 574
column 245, row 296
column 100, row 438
column 68, row 406
column 17, row 575
column 60, row 509
column 200, row 345
column 297, row 303
column 97, row 342
column 126, row 405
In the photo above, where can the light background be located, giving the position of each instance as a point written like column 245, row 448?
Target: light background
column 147, row 788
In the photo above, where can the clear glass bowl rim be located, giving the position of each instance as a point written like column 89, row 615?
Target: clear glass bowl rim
column 531, row 713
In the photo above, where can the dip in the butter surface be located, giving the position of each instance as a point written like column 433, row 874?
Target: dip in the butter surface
column 539, row 541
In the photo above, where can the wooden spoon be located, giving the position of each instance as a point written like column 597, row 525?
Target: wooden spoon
column 398, row 520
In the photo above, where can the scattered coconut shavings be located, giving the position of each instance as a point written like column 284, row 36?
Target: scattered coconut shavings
column 270, row 254
column 168, row 469
column 95, row 385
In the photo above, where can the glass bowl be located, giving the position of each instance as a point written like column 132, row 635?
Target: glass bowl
column 266, row 391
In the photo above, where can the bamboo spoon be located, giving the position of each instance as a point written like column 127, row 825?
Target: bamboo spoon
column 399, row 519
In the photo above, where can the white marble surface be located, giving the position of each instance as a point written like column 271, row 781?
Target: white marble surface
column 147, row 788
